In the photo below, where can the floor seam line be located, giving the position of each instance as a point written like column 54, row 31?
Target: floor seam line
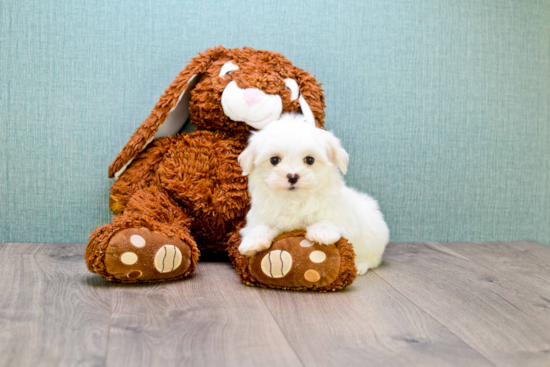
column 524, row 258
column 109, row 327
column 495, row 271
column 280, row 329
column 435, row 319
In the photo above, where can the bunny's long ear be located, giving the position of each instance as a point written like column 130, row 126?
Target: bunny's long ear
column 170, row 113
column 312, row 99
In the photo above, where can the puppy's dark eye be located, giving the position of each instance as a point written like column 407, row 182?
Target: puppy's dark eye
column 229, row 72
column 275, row 160
column 309, row 160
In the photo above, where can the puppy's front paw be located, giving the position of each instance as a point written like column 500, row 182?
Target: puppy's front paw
column 324, row 233
column 362, row 265
column 250, row 245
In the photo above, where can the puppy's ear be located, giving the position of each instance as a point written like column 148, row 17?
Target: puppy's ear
column 336, row 154
column 246, row 159
column 170, row 112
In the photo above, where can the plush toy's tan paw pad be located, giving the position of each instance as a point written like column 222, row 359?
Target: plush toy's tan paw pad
column 276, row 263
column 168, row 258
column 296, row 262
column 138, row 254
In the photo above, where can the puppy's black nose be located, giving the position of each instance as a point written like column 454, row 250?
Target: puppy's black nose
column 293, row 178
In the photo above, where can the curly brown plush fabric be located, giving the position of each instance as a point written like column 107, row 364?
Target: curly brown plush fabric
column 187, row 191
column 264, row 70
column 149, row 208
column 336, row 272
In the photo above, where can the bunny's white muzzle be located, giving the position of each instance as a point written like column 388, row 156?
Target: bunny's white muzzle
column 251, row 105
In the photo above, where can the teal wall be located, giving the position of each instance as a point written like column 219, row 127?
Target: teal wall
column 443, row 105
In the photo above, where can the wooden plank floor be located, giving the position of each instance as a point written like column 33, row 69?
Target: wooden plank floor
column 428, row 304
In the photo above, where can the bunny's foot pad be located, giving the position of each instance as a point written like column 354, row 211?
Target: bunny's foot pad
column 139, row 255
column 293, row 262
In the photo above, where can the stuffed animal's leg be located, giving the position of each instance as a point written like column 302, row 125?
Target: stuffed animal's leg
column 293, row 262
column 149, row 242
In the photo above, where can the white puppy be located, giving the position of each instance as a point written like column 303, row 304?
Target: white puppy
column 294, row 183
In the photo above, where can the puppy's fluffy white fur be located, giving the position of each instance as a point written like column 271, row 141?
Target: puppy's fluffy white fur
column 318, row 200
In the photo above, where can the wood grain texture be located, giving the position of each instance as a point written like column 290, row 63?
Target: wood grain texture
column 505, row 322
column 210, row 319
column 53, row 312
column 455, row 304
column 512, row 263
column 367, row 324
column 531, row 251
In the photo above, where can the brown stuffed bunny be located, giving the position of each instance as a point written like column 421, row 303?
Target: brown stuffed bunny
column 178, row 193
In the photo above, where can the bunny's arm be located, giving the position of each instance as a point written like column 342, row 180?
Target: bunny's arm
column 140, row 174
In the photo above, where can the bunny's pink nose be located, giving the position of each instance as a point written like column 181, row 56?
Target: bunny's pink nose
column 253, row 96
